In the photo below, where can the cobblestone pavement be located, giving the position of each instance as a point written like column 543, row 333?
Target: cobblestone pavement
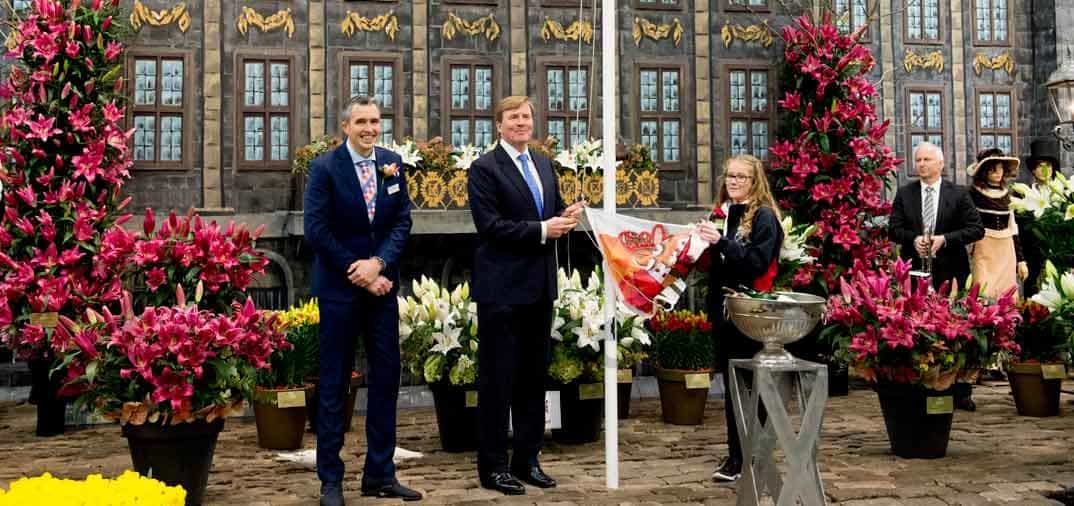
column 994, row 457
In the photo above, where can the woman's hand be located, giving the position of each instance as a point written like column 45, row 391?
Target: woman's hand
column 708, row 231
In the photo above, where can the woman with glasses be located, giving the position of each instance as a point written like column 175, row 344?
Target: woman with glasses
column 746, row 236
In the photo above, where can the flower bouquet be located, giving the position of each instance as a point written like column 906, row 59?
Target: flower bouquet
column 1052, row 209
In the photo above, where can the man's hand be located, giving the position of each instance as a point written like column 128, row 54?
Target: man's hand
column 921, row 246
column 574, row 210
column 1023, row 271
column 708, row 231
column 363, row 272
column 937, row 242
column 558, row 226
column 380, row 286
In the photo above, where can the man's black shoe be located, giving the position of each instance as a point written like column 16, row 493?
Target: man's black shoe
column 503, row 482
column 966, row 404
column 534, row 476
column 332, row 494
column 392, row 490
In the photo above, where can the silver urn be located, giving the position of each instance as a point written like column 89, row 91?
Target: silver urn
column 775, row 322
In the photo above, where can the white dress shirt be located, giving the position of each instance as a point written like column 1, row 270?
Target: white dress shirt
column 514, row 154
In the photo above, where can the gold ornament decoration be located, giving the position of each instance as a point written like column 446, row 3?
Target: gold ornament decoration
column 644, row 27
column 354, row 22
column 570, row 187
column 433, row 189
column 412, row 188
column 933, row 60
column 250, row 17
column 551, row 29
column 178, row 14
column 485, row 25
column 623, row 187
column 593, row 188
column 456, row 189
column 761, row 34
column 647, row 187
column 1003, row 61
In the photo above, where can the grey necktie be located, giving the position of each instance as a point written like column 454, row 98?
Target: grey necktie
column 928, row 214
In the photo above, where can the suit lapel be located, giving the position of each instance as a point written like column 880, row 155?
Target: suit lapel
column 511, row 172
column 946, row 196
column 915, row 207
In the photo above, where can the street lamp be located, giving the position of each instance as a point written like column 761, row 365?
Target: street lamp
column 1061, row 90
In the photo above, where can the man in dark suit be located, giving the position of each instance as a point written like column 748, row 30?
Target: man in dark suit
column 357, row 220
column 955, row 223
column 518, row 213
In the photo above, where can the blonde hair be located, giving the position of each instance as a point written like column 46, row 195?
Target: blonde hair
column 511, row 103
column 759, row 195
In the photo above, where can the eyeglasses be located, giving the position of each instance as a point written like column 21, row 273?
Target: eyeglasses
column 738, row 178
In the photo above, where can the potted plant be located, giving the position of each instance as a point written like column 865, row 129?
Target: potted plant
column 280, row 397
column 1049, row 208
column 631, row 349
column 169, row 375
column 683, row 358
column 913, row 342
column 1036, row 371
column 438, row 329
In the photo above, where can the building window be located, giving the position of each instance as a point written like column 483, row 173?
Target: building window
column 995, row 127
column 19, row 5
column 157, row 110
column 761, row 5
column 566, row 99
column 265, row 111
column 990, row 20
column 378, row 79
column 659, row 104
column 471, row 100
column 657, row 4
column 923, row 20
column 850, row 15
column 749, row 112
column 924, row 118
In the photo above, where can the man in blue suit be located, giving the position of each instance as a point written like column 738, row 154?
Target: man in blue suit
column 357, row 220
column 518, row 213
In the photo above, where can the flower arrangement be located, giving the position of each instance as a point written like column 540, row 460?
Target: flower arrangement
column 896, row 329
column 1052, row 207
column 129, row 489
column 408, row 151
column 638, row 159
column 1047, row 332
column 305, row 155
column 169, row 364
column 291, row 365
column 183, row 252
column 438, row 333
column 792, row 253
column 579, row 328
column 436, row 155
column 830, row 162
column 63, row 162
column 682, row 340
column 583, row 156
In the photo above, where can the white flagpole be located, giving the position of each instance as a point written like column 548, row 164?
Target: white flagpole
column 609, row 66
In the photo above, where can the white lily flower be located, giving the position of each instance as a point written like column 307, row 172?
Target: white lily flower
column 446, row 340
column 641, row 335
column 1067, row 283
column 566, row 159
column 466, row 156
column 1069, row 215
column 408, row 151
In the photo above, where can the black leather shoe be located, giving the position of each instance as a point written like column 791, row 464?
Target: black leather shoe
column 392, row 490
column 503, row 482
column 966, row 404
column 332, row 494
column 534, row 476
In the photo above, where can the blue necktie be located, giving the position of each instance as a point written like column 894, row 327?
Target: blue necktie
column 532, row 183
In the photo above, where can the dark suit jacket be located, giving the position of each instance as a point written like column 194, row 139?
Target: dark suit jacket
column 337, row 224
column 956, row 219
column 511, row 266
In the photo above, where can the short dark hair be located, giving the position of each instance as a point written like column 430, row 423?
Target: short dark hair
column 363, row 100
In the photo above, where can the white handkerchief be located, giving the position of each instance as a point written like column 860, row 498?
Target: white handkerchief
column 393, row 188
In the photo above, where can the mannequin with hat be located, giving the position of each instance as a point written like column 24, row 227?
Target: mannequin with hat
column 1042, row 164
column 1043, row 161
column 996, row 259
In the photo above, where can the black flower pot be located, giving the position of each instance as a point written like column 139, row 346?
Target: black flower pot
column 455, row 417
column 914, row 433
column 581, row 418
column 44, row 392
column 179, row 454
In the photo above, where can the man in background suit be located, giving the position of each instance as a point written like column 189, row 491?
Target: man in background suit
column 357, row 220
column 955, row 224
column 518, row 213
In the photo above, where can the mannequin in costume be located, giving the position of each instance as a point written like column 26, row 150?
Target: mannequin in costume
column 996, row 260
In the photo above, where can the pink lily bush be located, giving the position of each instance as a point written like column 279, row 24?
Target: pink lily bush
column 167, row 365
column 62, row 164
column 895, row 329
column 830, row 161
column 183, row 252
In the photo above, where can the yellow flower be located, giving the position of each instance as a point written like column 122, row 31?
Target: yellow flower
column 129, row 489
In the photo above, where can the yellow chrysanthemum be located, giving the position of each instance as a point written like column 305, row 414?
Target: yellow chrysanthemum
column 130, row 488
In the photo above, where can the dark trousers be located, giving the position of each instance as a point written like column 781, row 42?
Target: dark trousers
column 731, row 344
column 376, row 319
column 512, row 368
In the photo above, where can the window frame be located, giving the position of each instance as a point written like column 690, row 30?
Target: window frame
column 541, row 104
column 866, row 36
column 910, row 131
column 658, row 5
column 446, row 112
column 728, row 6
column 472, row 2
column 906, row 25
column 683, row 116
column 749, row 66
column 1012, row 129
column 267, row 110
column 1006, row 42
column 398, row 109
column 185, row 111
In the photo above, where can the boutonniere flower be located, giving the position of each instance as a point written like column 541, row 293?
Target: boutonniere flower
column 390, row 170
column 718, row 216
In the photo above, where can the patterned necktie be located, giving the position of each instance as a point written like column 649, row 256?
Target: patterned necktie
column 369, row 186
column 929, row 213
column 532, row 183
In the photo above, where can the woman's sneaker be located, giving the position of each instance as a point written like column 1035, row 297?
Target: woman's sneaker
column 730, row 470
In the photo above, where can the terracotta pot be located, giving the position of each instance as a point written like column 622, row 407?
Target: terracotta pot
column 280, row 415
column 1034, row 395
column 682, row 403
column 180, row 454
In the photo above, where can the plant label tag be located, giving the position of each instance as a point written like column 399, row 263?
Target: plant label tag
column 393, row 189
column 591, row 391
column 471, row 398
column 291, row 399
column 939, row 405
column 625, row 376
column 1054, row 371
column 44, row 320
column 697, row 381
